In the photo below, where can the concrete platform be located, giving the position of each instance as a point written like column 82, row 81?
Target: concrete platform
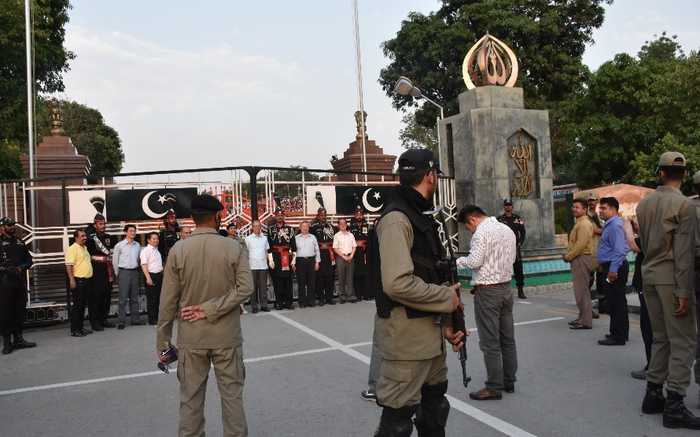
column 305, row 371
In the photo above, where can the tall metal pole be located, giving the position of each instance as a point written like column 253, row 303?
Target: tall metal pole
column 360, row 98
column 30, row 103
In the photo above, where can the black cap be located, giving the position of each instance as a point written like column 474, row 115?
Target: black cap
column 416, row 160
column 7, row 221
column 204, row 203
column 170, row 211
column 279, row 211
column 99, row 218
column 507, row 202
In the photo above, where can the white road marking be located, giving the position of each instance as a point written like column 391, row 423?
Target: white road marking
column 483, row 417
column 364, row 343
column 333, row 345
column 144, row 374
column 522, row 302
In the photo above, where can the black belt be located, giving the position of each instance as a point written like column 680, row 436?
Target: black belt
column 131, row 270
column 306, row 258
column 82, row 279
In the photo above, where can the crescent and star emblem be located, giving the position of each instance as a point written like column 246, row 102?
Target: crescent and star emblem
column 162, row 199
column 377, row 198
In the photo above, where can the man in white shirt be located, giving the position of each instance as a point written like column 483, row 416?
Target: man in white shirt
column 125, row 260
column 259, row 258
column 152, row 266
column 344, row 246
column 306, row 262
column 491, row 257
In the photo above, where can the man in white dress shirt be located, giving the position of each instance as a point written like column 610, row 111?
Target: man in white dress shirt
column 491, row 257
column 152, row 266
column 259, row 259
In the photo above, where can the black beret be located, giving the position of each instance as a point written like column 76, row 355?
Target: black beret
column 204, row 203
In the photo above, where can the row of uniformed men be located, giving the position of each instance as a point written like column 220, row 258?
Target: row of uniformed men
column 284, row 260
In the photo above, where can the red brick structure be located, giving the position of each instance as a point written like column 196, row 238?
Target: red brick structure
column 377, row 160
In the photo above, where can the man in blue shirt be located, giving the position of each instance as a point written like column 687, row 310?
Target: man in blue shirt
column 612, row 258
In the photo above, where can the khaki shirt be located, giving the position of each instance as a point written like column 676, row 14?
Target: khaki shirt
column 208, row 270
column 665, row 233
column 404, row 338
column 581, row 241
column 696, row 203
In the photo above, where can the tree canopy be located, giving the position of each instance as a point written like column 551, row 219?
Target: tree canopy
column 50, row 59
column 89, row 133
column 86, row 126
column 548, row 36
column 629, row 110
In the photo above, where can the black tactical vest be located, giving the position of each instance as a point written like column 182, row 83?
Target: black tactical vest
column 426, row 253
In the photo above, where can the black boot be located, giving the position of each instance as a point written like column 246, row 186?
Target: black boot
column 676, row 415
column 396, row 422
column 21, row 343
column 6, row 344
column 654, row 400
column 431, row 416
column 521, row 293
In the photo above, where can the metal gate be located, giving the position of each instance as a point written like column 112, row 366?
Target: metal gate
column 246, row 192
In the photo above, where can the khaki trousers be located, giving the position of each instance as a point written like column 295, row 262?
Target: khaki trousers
column 581, row 268
column 673, row 347
column 193, row 371
column 400, row 382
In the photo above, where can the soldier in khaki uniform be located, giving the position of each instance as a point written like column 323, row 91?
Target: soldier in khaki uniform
column 665, row 232
column 695, row 204
column 413, row 374
column 206, row 279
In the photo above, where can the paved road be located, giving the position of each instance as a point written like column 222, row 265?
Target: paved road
column 305, row 370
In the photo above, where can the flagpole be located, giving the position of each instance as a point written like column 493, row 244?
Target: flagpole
column 30, row 104
column 360, row 97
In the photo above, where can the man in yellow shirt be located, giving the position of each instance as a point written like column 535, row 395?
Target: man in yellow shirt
column 579, row 253
column 79, row 269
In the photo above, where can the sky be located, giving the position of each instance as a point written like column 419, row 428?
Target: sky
column 233, row 83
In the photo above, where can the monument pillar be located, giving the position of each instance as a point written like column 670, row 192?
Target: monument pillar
column 55, row 157
column 377, row 160
column 496, row 149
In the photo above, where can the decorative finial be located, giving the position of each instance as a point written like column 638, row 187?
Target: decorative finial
column 490, row 62
column 359, row 121
column 56, row 117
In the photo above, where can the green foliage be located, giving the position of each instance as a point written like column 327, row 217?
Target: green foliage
column 50, row 60
column 89, row 133
column 294, row 174
column 643, row 167
column 10, row 167
column 414, row 135
column 627, row 110
column 548, row 36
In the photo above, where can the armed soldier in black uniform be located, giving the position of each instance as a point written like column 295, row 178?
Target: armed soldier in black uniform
column 169, row 234
column 99, row 245
column 359, row 227
column 517, row 225
column 281, row 237
column 15, row 260
column 325, row 277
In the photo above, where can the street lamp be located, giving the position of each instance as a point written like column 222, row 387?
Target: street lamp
column 405, row 87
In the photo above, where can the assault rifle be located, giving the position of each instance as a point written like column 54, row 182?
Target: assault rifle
column 458, row 324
